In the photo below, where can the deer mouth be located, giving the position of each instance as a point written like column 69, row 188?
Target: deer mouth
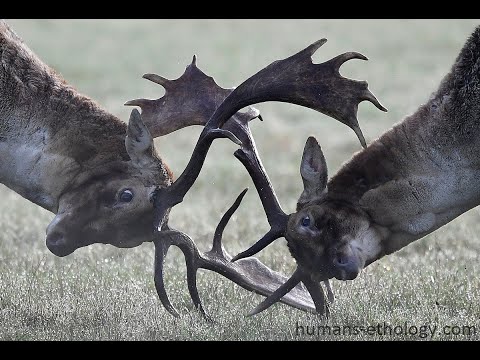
column 347, row 275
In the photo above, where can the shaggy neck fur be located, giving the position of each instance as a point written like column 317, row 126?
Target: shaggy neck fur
column 446, row 125
column 49, row 133
column 425, row 171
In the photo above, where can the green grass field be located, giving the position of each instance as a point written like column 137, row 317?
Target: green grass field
column 104, row 293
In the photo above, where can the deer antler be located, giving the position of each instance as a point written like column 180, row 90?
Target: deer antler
column 189, row 100
column 295, row 80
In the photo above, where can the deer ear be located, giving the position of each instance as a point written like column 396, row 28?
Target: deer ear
column 314, row 172
column 139, row 141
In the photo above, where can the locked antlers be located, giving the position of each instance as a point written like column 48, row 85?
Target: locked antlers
column 195, row 98
column 201, row 96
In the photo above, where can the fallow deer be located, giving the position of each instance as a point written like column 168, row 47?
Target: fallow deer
column 415, row 178
column 63, row 152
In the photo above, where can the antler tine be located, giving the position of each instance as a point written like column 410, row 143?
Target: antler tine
column 318, row 296
column 276, row 217
column 313, row 287
column 161, row 249
column 339, row 60
column 160, row 80
column 217, row 247
column 286, row 287
column 250, row 274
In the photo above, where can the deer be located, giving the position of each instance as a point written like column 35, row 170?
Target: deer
column 99, row 176
column 415, row 178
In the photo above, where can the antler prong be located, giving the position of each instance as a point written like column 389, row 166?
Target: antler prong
column 343, row 58
column 261, row 244
column 318, row 296
column 312, row 49
column 370, row 97
column 330, row 295
column 279, row 293
column 137, row 102
column 160, row 80
column 161, row 249
column 360, row 136
column 222, row 133
column 217, row 237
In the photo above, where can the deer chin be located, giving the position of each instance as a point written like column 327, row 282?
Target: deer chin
column 58, row 245
column 130, row 243
column 345, row 275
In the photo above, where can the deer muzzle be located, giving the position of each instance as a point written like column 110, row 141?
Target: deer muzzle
column 346, row 262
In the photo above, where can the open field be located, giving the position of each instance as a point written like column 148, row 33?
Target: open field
column 104, row 293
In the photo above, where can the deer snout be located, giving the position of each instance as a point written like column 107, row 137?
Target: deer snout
column 346, row 263
column 57, row 244
column 56, row 240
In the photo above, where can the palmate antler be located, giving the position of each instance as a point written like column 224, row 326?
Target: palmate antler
column 295, row 80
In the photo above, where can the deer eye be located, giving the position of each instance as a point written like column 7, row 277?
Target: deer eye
column 306, row 221
column 126, row 196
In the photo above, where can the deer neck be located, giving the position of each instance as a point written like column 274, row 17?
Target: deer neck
column 49, row 133
column 425, row 171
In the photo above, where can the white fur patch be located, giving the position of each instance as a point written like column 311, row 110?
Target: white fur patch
column 367, row 244
column 33, row 173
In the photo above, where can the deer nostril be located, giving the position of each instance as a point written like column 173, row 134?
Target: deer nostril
column 341, row 259
column 346, row 264
column 57, row 243
column 56, row 239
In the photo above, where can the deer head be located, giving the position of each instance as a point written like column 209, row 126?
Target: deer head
column 112, row 203
column 324, row 235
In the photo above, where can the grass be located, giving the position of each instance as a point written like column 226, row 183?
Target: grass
column 104, row 293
